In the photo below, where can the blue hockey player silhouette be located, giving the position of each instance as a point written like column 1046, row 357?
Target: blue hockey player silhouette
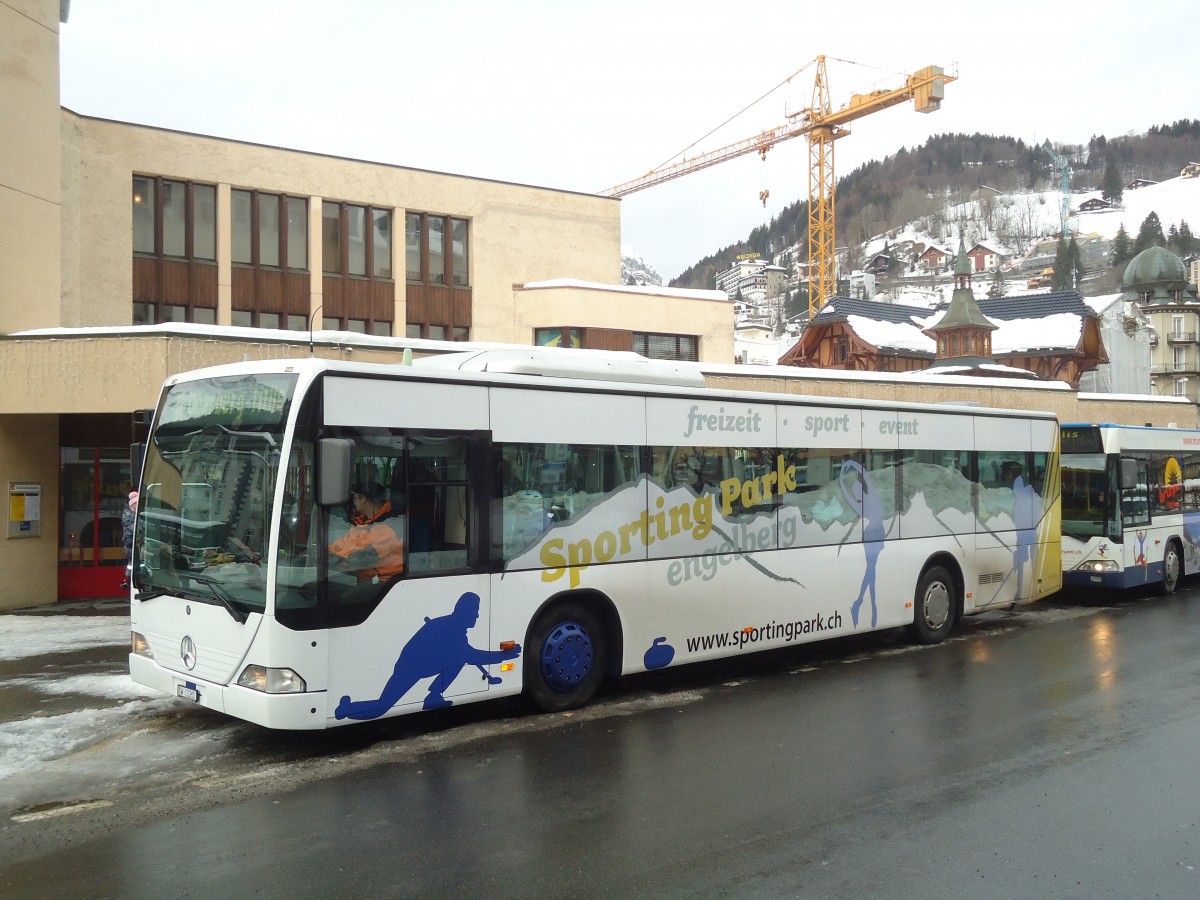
column 439, row 650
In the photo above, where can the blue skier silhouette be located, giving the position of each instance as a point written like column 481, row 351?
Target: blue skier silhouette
column 1025, row 518
column 865, row 501
column 439, row 650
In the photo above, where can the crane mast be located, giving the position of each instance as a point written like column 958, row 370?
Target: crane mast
column 822, row 125
column 1062, row 166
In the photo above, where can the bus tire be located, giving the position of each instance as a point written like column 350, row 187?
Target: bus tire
column 1172, row 569
column 564, row 657
column 934, row 606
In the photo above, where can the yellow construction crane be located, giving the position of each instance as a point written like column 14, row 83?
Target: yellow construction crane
column 823, row 125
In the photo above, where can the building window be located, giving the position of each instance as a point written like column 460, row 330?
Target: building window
column 174, row 219
column 436, row 250
column 331, row 237
column 381, row 266
column 263, row 235
column 558, row 337
column 684, row 347
column 250, row 318
column 412, row 246
column 297, row 233
column 426, row 256
column 436, row 332
column 356, row 241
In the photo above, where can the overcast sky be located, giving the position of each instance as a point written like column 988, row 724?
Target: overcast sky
column 583, row 95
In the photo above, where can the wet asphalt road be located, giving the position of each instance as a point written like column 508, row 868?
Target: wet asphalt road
column 1049, row 754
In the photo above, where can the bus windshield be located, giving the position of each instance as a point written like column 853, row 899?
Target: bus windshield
column 208, row 486
column 1088, row 496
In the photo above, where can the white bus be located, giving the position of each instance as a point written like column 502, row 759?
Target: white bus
column 1131, row 505
column 549, row 518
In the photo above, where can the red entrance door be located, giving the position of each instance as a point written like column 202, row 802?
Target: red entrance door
column 94, row 489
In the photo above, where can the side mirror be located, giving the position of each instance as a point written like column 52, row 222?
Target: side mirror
column 137, row 453
column 335, row 458
column 1129, row 473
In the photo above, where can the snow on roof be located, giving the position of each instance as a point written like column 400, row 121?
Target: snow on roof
column 1055, row 331
column 1103, row 302
column 651, row 290
column 892, row 335
column 800, row 373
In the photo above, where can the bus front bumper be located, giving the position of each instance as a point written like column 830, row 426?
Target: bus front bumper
column 1134, row 576
column 302, row 711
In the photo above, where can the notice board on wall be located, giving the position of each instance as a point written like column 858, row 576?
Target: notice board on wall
column 24, row 509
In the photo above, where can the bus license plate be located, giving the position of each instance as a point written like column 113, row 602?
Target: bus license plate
column 187, row 693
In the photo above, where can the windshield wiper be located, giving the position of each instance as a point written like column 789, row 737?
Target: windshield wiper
column 151, row 594
column 218, row 591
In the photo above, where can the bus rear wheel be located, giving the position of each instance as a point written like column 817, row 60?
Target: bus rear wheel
column 935, row 604
column 564, row 657
column 1172, row 569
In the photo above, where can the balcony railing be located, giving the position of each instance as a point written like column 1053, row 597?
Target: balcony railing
column 1181, row 337
column 1175, row 368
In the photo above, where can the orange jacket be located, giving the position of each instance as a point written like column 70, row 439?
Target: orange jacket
column 372, row 548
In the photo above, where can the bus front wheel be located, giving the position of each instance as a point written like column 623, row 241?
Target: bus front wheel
column 1172, row 568
column 564, row 657
column 935, row 603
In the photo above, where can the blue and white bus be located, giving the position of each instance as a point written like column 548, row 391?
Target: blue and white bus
column 549, row 518
column 1131, row 505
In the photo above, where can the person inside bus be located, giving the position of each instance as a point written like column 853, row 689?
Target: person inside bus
column 688, row 472
column 373, row 547
column 1009, row 472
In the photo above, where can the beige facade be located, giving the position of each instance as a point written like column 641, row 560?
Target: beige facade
column 30, row 170
column 1175, row 354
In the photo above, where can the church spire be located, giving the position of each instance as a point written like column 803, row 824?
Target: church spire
column 964, row 334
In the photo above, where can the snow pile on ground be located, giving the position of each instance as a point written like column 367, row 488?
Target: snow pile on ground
column 25, row 636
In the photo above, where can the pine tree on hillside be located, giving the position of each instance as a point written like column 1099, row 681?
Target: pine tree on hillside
column 1061, row 280
column 1076, row 259
column 997, row 286
column 1149, row 235
column 1122, row 248
column 1181, row 240
column 1114, row 184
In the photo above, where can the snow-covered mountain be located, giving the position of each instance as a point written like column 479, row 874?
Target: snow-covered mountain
column 635, row 270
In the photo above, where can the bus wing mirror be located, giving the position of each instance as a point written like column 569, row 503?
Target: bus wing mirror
column 335, row 456
column 1129, row 473
column 137, row 453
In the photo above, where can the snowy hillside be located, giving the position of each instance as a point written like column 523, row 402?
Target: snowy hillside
column 1011, row 222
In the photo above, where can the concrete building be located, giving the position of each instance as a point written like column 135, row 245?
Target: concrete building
column 1156, row 280
column 132, row 252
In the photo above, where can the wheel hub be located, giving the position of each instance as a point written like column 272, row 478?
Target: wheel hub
column 936, row 608
column 566, row 657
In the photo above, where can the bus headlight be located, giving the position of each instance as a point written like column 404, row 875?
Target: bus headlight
column 138, row 646
column 1098, row 565
column 271, row 681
